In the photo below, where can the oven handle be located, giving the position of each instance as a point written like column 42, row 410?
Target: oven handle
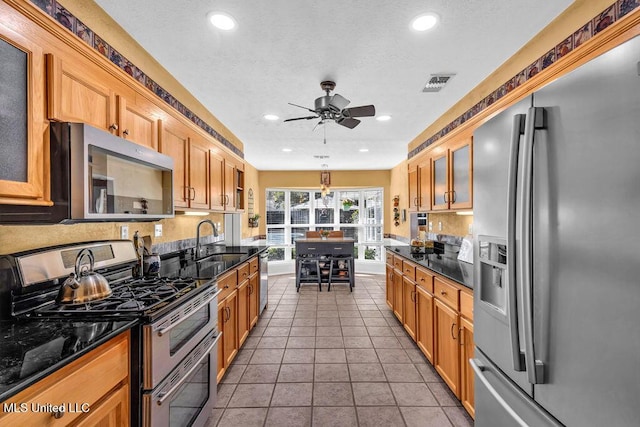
column 163, row 396
column 161, row 332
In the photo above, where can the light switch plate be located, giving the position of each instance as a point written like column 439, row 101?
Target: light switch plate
column 124, row 231
column 158, row 230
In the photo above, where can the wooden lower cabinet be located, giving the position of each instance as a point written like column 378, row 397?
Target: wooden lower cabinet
column 447, row 349
column 243, row 311
column 466, row 373
column 409, row 306
column 228, row 325
column 254, row 298
column 113, row 412
column 106, row 369
column 424, row 321
column 389, row 283
column 397, row 294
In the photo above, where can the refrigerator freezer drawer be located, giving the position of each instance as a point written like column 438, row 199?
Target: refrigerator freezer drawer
column 500, row 403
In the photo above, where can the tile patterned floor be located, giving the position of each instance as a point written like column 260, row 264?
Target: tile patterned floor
column 332, row 359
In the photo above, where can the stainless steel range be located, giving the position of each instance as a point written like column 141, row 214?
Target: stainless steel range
column 175, row 354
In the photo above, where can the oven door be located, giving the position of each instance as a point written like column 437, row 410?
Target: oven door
column 187, row 396
column 171, row 338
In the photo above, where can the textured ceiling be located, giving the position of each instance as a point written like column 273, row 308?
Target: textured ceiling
column 282, row 50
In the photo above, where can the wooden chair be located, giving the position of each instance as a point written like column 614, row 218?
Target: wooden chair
column 312, row 234
column 336, row 233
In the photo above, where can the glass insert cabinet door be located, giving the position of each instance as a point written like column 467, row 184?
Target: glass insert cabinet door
column 440, row 182
column 22, row 166
column 461, row 180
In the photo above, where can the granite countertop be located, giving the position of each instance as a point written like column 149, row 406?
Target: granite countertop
column 215, row 260
column 459, row 271
column 32, row 349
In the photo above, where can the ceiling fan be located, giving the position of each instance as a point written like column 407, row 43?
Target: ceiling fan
column 332, row 107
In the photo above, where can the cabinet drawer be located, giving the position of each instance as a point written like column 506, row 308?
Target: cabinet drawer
column 397, row 263
column 106, row 367
column 243, row 272
column 389, row 258
column 253, row 266
column 447, row 293
column 466, row 305
column 424, row 279
column 409, row 270
column 227, row 283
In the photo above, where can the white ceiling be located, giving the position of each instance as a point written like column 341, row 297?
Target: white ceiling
column 282, row 49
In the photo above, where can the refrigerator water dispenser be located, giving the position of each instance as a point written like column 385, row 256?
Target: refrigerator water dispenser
column 492, row 279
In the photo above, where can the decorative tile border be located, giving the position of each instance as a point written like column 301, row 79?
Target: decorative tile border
column 77, row 27
column 604, row 19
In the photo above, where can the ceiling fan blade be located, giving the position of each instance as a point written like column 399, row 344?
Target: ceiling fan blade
column 301, row 118
column 363, row 111
column 300, row 106
column 339, row 101
column 348, row 122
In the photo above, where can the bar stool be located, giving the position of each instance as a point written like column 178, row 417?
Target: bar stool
column 343, row 266
column 312, row 274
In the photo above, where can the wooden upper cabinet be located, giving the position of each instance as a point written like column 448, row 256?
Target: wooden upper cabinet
column 461, row 178
column 216, row 179
column 452, row 175
column 137, row 123
column 420, row 186
column 199, row 173
column 174, row 142
column 413, row 188
column 80, row 92
column 233, row 184
column 23, row 168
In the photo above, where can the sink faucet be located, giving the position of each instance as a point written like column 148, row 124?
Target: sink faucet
column 215, row 233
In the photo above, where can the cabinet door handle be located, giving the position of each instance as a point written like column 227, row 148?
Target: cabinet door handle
column 113, row 126
column 416, row 202
column 443, row 292
column 125, row 132
column 453, row 325
column 194, row 193
column 444, row 196
column 454, row 196
column 57, row 414
column 460, row 335
column 250, row 290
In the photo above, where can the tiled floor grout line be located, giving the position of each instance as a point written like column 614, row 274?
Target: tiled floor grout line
column 370, row 296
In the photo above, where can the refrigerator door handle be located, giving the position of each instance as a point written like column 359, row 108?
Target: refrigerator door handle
column 479, row 369
column 516, row 132
column 535, row 120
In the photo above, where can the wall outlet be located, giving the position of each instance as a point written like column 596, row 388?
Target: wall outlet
column 158, row 230
column 430, row 226
column 124, row 231
column 439, row 225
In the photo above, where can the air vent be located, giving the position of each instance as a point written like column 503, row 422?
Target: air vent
column 319, row 156
column 437, row 82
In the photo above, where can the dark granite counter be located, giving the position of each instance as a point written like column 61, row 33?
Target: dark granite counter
column 215, row 260
column 32, row 349
column 449, row 267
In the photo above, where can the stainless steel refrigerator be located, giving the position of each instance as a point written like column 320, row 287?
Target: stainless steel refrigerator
column 557, row 252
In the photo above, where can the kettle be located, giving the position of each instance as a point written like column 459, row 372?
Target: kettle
column 84, row 284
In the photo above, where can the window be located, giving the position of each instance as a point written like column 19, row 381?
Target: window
column 358, row 213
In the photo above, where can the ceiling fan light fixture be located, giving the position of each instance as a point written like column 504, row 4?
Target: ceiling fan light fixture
column 222, row 21
column 425, row 22
column 270, row 117
column 383, row 118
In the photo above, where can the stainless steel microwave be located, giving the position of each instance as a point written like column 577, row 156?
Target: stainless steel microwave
column 96, row 176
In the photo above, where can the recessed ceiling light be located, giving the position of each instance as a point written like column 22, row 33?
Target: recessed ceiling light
column 222, row 21
column 424, row 22
column 364, row 150
column 383, row 118
column 271, row 117
column 287, row 150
